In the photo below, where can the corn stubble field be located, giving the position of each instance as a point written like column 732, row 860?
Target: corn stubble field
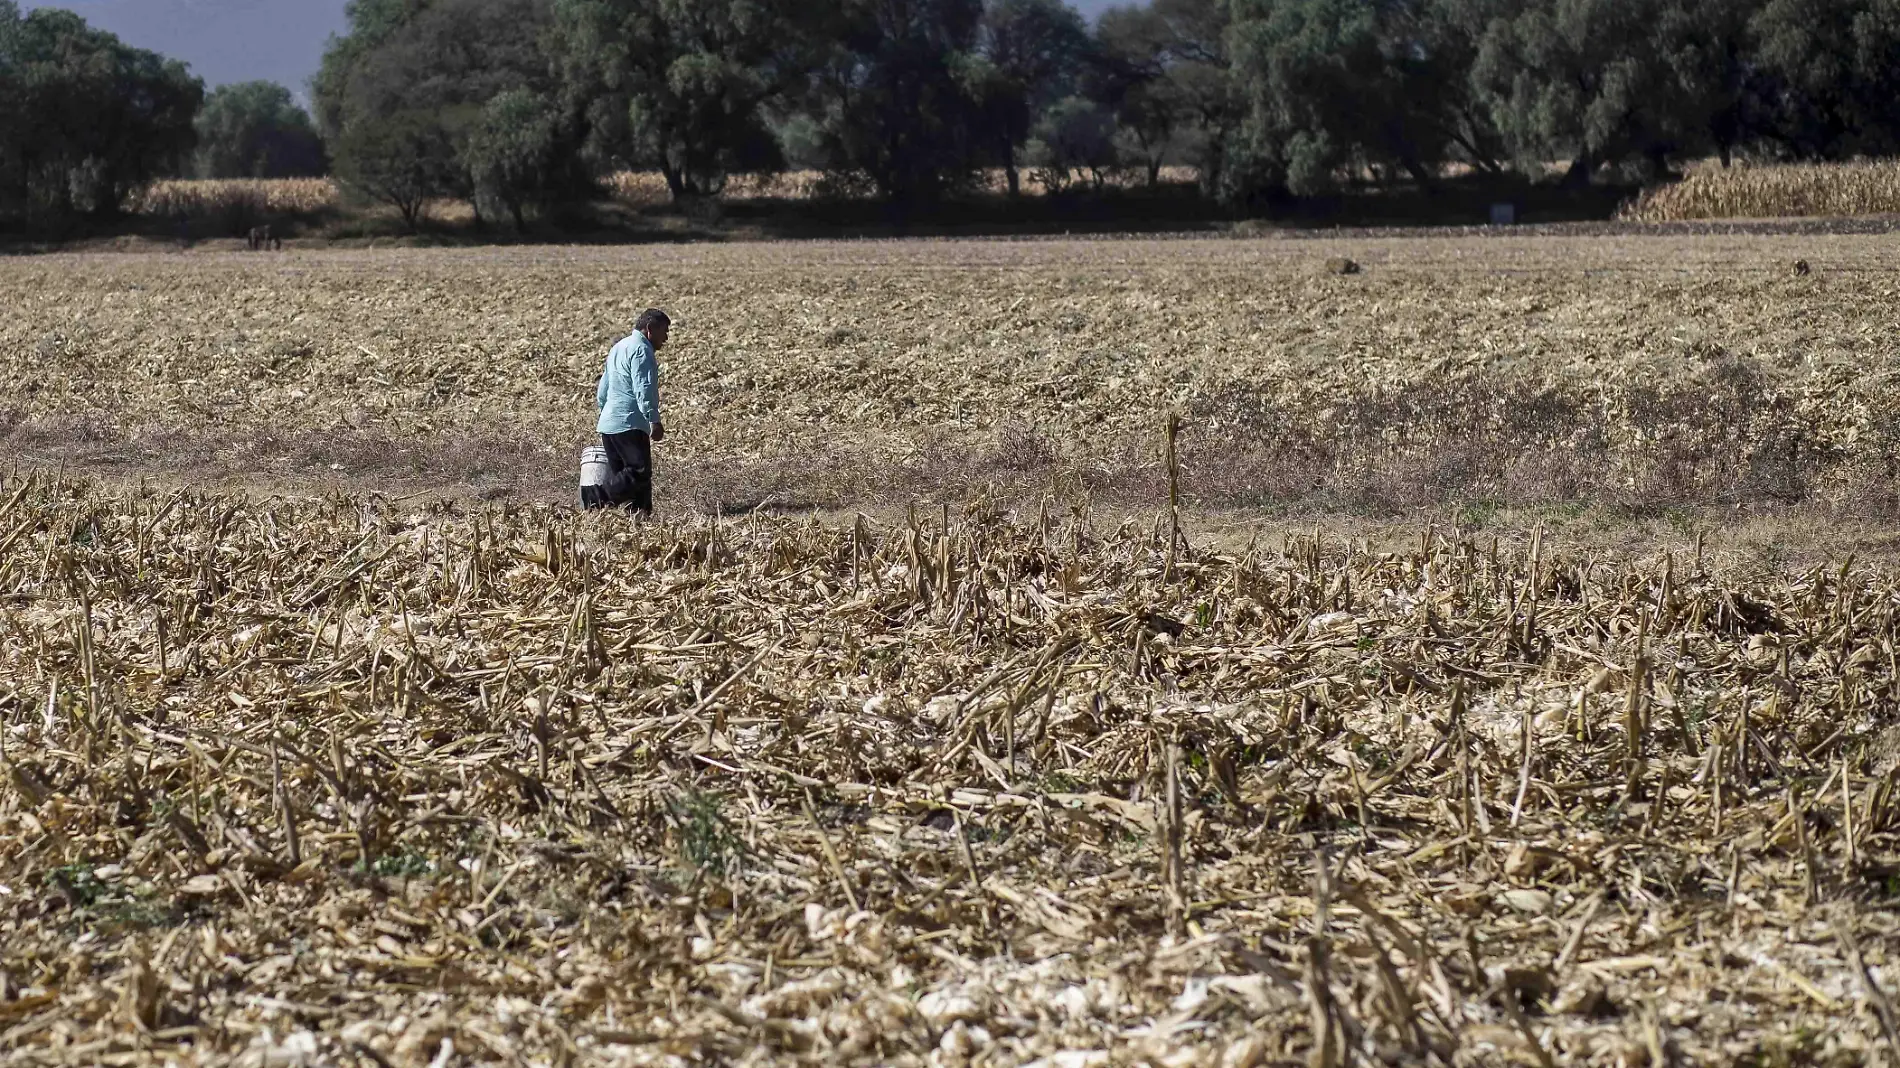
column 363, row 748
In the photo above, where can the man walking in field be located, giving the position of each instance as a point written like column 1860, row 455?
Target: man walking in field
column 629, row 401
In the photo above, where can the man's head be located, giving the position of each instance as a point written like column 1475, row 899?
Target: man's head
column 654, row 324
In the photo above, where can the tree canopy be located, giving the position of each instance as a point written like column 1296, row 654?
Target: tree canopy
column 256, row 130
column 1031, row 55
column 518, row 106
column 681, row 86
column 429, row 98
column 85, row 118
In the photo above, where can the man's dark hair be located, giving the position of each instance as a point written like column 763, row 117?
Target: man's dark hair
column 651, row 317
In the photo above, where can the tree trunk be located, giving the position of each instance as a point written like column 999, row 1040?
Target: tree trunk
column 1015, row 181
column 675, row 180
column 1467, row 138
column 111, row 198
column 1479, row 159
column 1580, row 170
column 1421, row 174
column 1658, row 157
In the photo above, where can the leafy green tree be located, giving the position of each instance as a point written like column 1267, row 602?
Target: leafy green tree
column 12, row 116
column 389, row 123
column 403, row 159
column 410, row 101
column 1032, row 52
column 1353, row 85
column 508, row 150
column 895, row 99
column 1130, row 75
column 1200, row 85
column 1322, row 88
column 87, row 118
column 373, row 24
column 681, row 85
column 1074, row 137
column 1832, row 69
column 1713, row 58
column 255, row 130
column 1451, row 32
column 1596, row 82
column 1800, row 43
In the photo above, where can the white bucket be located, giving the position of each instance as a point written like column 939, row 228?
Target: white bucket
column 593, row 475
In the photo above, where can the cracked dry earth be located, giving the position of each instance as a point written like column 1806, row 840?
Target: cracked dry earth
column 300, row 782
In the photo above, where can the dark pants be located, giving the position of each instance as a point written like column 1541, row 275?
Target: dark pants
column 629, row 471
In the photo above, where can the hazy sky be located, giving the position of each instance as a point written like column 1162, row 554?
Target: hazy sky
column 223, row 40
column 241, row 40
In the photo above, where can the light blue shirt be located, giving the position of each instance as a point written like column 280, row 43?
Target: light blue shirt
column 629, row 392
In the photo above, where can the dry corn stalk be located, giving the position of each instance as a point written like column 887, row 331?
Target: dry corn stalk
column 195, row 197
column 1868, row 187
column 416, row 784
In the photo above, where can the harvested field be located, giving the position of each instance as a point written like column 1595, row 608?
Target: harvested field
column 330, row 782
column 332, row 736
column 1645, row 373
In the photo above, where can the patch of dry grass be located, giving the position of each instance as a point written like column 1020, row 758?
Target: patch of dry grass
column 199, row 198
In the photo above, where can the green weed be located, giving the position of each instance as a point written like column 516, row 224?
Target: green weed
column 1479, row 513
column 706, row 838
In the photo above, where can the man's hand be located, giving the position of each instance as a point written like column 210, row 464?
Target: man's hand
column 659, row 431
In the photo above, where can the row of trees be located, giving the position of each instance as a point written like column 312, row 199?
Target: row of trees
column 256, row 130
column 1327, row 87
column 83, row 118
column 516, row 102
column 86, row 119
column 517, row 105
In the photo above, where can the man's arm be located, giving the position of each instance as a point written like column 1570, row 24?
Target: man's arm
column 646, row 390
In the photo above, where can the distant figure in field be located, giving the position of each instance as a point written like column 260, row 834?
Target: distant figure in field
column 629, row 401
column 262, row 238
